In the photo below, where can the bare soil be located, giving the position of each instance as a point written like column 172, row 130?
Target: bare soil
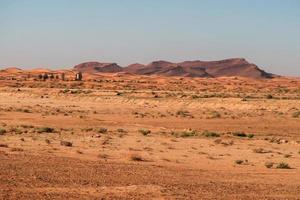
column 136, row 137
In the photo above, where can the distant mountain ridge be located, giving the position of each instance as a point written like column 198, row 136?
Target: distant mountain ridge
column 92, row 67
column 210, row 69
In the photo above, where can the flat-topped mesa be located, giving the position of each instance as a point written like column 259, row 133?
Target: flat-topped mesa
column 222, row 68
column 94, row 67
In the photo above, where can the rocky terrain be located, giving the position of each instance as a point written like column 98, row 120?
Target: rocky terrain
column 224, row 68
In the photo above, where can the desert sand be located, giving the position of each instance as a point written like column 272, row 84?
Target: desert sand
column 120, row 136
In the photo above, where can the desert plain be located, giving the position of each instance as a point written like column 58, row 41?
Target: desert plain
column 116, row 136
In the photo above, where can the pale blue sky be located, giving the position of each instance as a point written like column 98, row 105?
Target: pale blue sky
column 62, row 33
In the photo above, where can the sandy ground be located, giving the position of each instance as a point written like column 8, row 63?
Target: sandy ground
column 167, row 138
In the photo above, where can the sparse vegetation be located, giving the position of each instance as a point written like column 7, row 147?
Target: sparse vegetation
column 239, row 162
column 218, row 141
column 185, row 133
column 66, row 143
column 101, row 130
column 296, row 114
column 144, row 131
column 188, row 133
column 210, row 134
column 79, row 152
column 16, row 130
column 184, row 113
column 45, row 130
column 283, row 165
column 215, row 114
column 269, row 165
column 239, row 134
column 242, row 134
column 87, row 129
column 103, row 156
column 25, row 110
column 26, row 126
column 47, row 141
column 120, row 130
column 17, row 149
column 194, row 133
column 2, row 131
column 287, row 155
column 261, row 150
column 277, row 140
column 119, row 93
column 137, row 158
column 4, row 145
column 123, row 118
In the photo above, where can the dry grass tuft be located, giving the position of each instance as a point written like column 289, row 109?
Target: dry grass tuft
column 136, row 158
column 66, row 143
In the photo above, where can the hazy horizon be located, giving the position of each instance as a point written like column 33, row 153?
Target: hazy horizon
column 60, row 34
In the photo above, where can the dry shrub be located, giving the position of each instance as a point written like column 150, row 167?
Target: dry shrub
column 136, row 158
column 66, row 143
column 16, row 149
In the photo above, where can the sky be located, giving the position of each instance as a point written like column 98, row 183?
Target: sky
column 62, row 33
